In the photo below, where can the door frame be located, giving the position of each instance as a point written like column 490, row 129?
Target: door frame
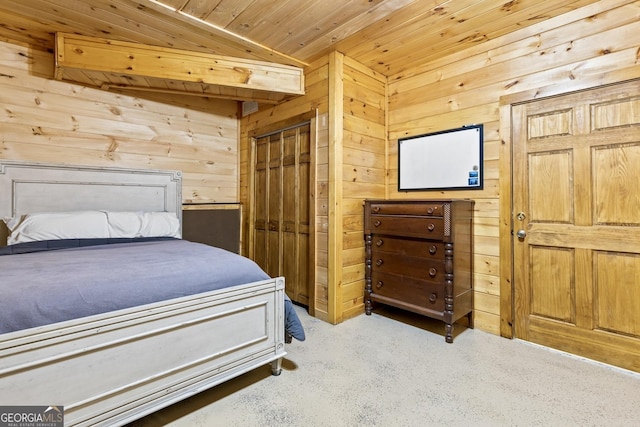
column 506, row 104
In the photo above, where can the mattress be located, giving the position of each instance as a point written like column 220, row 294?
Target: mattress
column 50, row 286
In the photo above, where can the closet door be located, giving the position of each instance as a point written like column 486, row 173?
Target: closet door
column 260, row 202
column 295, row 213
column 273, row 194
column 282, row 208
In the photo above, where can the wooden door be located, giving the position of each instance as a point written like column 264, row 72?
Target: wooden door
column 273, row 194
column 260, row 248
column 282, row 208
column 576, row 206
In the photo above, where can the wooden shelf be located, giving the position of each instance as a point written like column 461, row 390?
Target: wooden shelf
column 111, row 64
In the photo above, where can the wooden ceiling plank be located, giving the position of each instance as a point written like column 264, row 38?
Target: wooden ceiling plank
column 176, row 4
column 246, row 47
column 207, row 37
column 303, row 25
column 434, row 24
column 477, row 26
column 79, row 17
column 524, row 18
column 203, row 37
column 300, row 24
column 392, row 37
column 507, row 24
column 198, row 8
column 73, row 17
column 507, row 43
column 284, row 24
column 134, row 62
column 226, row 12
column 359, row 36
column 21, row 29
column 143, row 22
column 255, row 16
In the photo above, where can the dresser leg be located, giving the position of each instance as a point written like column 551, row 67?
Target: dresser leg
column 368, row 305
column 448, row 328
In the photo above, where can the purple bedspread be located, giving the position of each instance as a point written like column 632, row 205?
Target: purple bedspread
column 53, row 286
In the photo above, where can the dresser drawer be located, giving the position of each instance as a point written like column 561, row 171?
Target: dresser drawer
column 422, row 227
column 408, row 247
column 409, row 290
column 420, row 209
column 419, row 268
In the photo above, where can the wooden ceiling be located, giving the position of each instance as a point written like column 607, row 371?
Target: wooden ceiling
column 389, row 36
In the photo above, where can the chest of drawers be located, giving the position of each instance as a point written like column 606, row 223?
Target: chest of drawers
column 419, row 257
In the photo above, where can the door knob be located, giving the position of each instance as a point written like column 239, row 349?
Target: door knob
column 521, row 234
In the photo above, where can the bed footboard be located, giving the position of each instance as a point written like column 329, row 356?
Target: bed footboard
column 113, row 368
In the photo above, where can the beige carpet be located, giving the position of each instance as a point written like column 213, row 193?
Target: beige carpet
column 380, row 371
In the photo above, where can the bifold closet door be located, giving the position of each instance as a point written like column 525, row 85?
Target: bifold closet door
column 282, row 214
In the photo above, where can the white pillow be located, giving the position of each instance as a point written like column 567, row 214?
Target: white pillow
column 143, row 224
column 57, row 225
column 91, row 224
column 124, row 224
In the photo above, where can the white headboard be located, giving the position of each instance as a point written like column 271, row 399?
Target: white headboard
column 40, row 187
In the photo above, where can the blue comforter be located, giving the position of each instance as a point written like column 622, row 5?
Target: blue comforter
column 44, row 285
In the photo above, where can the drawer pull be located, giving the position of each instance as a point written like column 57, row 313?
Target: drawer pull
column 379, row 243
column 378, row 223
column 433, row 249
column 375, row 209
column 433, row 297
column 433, row 272
column 379, row 262
column 430, row 211
column 379, row 284
column 431, row 227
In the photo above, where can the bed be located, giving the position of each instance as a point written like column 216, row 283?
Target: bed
column 133, row 355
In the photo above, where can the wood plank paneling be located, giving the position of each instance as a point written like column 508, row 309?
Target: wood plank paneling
column 334, row 185
column 363, row 170
column 349, row 169
column 150, row 68
column 49, row 121
column 388, row 36
column 586, row 47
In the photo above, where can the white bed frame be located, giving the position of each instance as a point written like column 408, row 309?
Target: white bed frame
column 113, row 368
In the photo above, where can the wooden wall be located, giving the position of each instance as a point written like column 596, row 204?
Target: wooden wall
column 360, row 174
column 45, row 120
column 594, row 45
column 350, row 166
